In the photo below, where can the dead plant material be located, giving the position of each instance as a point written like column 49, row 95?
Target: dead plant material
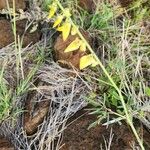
column 5, row 144
column 69, row 58
column 65, row 94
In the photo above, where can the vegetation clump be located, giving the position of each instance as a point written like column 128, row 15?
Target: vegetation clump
column 91, row 53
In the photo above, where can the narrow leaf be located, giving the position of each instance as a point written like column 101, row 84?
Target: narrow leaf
column 147, row 91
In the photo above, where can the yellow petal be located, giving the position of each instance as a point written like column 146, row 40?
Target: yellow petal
column 73, row 46
column 67, row 13
column 61, row 28
column 58, row 21
column 53, row 9
column 65, row 29
column 87, row 60
column 73, row 31
column 83, row 46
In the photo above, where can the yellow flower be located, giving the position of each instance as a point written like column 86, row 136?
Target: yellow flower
column 65, row 29
column 87, row 60
column 52, row 11
column 73, row 46
column 58, row 21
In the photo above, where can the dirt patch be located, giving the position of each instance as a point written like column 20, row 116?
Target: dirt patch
column 88, row 5
column 77, row 135
column 19, row 4
column 7, row 36
column 125, row 3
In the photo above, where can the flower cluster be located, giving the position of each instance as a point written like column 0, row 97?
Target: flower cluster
column 63, row 23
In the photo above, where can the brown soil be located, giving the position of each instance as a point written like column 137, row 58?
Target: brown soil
column 36, row 111
column 19, row 4
column 7, row 36
column 88, row 5
column 78, row 137
column 125, row 3
column 5, row 144
column 31, row 123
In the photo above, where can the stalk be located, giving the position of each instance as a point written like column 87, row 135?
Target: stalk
column 15, row 39
column 127, row 113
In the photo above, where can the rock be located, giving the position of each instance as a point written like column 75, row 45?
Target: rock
column 19, row 4
column 72, row 58
column 7, row 36
column 5, row 144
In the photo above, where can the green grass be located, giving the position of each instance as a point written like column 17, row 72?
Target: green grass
column 5, row 96
column 9, row 96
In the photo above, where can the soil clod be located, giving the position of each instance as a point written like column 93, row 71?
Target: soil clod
column 19, row 4
column 7, row 36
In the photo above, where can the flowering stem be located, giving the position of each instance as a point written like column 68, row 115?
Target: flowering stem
column 127, row 113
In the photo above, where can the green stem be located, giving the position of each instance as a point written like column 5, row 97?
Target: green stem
column 15, row 38
column 127, row 113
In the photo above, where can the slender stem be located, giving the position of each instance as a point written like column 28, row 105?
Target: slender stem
column 127, row 113
column 15, row 38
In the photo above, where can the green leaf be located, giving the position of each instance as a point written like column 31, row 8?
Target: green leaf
column 147, row 91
